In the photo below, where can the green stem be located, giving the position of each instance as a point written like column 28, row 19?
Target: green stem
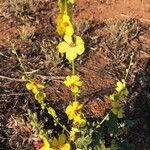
column 66, row 8
column 75, row 97
column 105, row 118
column 73, row 73
column 61, row 125
column 130, row 64
column 73, row 67
column 18, row 58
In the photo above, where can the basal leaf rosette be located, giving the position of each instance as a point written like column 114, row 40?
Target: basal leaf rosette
column 64, row 25
column 71, row 47
column 74, row 83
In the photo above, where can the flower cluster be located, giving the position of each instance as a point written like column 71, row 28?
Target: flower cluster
column 117, row 99
column 72, row 48
column 60, row 143
column 64, row 25
column 73, row 83
column 74, row 113
column 72, row 45
column 56, row 144
column 36, row 90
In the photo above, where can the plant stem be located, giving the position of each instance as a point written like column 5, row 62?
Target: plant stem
column 73, row 68
column 105, row 118
column 75, row 97
column 61, row 125
column 73, row 73
column 130, row 64
column 16, row 54
column 66, row 8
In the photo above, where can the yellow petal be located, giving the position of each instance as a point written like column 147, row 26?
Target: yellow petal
column 69, row 30
column 68, row 81
column 79, row 40
column 68, row 25
column 35, row 90
column 40, row 86
column 65, row 147
column 46, row 145
column 30, row 86
column 79, row 45
column 60, row 28
column 71, row 55
column 68, row 39
column 63, row 47
column 75, row 105
column 72, row 135
column 80, row 49
column 40, row 96
column 70, row 112
column 79, row 83
column 75, row 78
column 75, row 129
column 121, row 85
column 75, row 89
column 79, row 120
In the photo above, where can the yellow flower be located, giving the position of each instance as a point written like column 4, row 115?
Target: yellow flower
column 118, row 111
column 45, row 145
column 74, row 83
column 64, row 25
column 121, row 87
column 73, row 109
column 35, row 88
column 60, row 143
column 74, row 113
column 79, row 120
column 73, row 133
column 71, row 48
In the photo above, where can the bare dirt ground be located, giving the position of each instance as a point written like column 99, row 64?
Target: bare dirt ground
column 111, row 30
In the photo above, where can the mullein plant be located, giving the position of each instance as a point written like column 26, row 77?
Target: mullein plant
column 37, row 90
column 121, row 93
column 71, row 47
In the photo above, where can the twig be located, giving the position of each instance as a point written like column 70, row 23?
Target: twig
column 51, row 77
column 12, row 79
column 43, row 77
column 14, row 94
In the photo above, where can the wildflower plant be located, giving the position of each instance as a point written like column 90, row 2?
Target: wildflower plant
column 79, row 134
